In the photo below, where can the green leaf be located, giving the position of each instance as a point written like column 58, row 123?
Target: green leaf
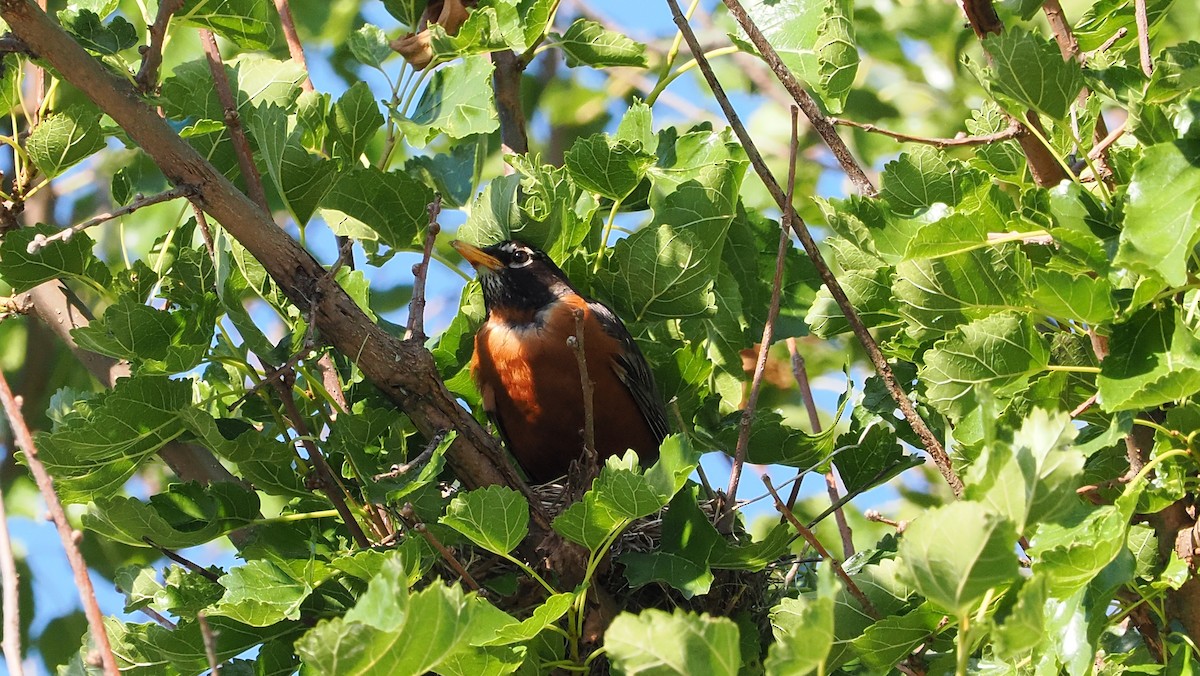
column 61, row 140
column 999, row 353
column 87, row 28
column 587, row 43
column 301, row 178
column 868, row 452
column 1071, row 557
column 185, row 515
column 1176, row 73
column 889, row 641
column 667, row 269
column 681, row 559
column 407, row 12
column 366, row 203
column 920, row 178
column 1073, row 296
column 656, row 643
column 261, row 594
column 982, row 557
column 157, row 341
column 247, row 23
column 23, row 270
column 1162, row 218
column 1154, row 359
column 1024, row 626
column 1106, row 18
column 258, row 81
column 265, row 461
column 495, row 518
column 617, row 497
column 1034, row 478
column 803, row 629
column 353, row 121
column 369, row 44
column 610, row 167
column 155, row 649
column 794, row 29
column 543, row 616
column 458, row 102
column 391, row 630
column 939, row 294
column 101, row 442
column 1032, row 71
column 490, row 26
column 837, row 55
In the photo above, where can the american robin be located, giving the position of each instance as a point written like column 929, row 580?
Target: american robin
column 528, row 373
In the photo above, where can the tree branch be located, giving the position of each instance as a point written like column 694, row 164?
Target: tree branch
column 928, row 440
column 416, row 307
column 1143, row 28
column 506, row 80
column 70, row 537
column 233, row 121
column 147, row 75
column 1011, row 132
column 820, row 123
column 295, row 49
column 12, row 598
column 811, row 538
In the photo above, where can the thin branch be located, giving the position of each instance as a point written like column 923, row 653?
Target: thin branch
column 233, row 122
column 768, row 334
column 12, row 598
column 205, row 230
column 182, row 560
column 1068, row 46
column 878, row 517
column 405, row 468
column 928, row 440
column 506, row 80
column 408, row 517
column 1107, row 141
column 811, row 538
column 70, row 537
column 819, row 122
column 332, row 487
column 1107, row 44
column 140, row 201
column 1143, row 28
column 800, row 373
column 1010, row 132
column 416, row 307
column 147, row 75
column 586, row 384
column 210, row 643
column 295, row 48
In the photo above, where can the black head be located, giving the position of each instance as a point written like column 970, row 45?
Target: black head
column 518, row 280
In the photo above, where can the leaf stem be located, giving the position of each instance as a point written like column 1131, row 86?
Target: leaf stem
column 960, row 644
column 1073, row 369
column 608, row 228
column 299, row 516
column 664, row 82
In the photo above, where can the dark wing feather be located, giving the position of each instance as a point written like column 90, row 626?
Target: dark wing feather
column 634, row 372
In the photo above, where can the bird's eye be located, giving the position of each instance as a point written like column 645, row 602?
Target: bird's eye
column 520, row 258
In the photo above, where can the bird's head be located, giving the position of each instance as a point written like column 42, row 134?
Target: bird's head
column 518, row 280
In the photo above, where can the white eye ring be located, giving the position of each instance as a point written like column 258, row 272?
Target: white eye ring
column 521, row 258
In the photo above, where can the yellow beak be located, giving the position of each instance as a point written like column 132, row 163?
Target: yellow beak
column 476, row 256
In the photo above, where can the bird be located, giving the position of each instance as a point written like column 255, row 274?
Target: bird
column 527, row 371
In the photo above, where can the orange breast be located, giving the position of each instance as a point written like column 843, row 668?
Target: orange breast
column 530, row 382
